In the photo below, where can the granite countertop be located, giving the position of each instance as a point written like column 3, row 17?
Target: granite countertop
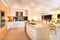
column 36, row 25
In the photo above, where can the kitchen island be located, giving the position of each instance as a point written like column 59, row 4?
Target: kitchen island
column 37, row 31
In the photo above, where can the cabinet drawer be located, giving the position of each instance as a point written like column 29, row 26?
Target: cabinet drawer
column 33, row 38
column 33, row 30
column 33, row 34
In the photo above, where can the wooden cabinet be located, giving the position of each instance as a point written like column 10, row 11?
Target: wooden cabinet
column 25, row 13
column 37, row 33
column 25, row 18
column 2, row 19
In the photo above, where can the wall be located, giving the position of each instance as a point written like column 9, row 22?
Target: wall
column 54, row 15
column 13, row 11
column 4, row 8
column 4, row 29
column 34, row 14
column 31, row 13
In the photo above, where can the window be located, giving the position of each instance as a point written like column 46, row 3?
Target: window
column 19, row 16
column 19, row 13
column 48, row 17
column 58, row 16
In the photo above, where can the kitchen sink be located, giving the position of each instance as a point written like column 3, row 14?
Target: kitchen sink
column 33, row 23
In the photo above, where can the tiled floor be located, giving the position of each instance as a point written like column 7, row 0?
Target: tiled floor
column 19, row 34
column 16, row 34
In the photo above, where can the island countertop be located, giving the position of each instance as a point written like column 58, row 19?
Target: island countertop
column 37, row 25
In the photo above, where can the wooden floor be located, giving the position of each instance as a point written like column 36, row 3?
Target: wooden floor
column 16, row 34
column 19, row 34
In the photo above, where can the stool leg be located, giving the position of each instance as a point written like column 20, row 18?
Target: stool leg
column 55, row 32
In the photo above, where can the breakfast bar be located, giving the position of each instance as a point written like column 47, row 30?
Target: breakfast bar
column 37, row 31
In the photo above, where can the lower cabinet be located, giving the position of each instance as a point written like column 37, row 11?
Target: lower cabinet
column 31, row 32
column 37, row 33
column 17, row 24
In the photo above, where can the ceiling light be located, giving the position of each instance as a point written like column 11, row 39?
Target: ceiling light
column 32, row 4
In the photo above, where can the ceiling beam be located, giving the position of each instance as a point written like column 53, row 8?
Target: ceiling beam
column 55, row 9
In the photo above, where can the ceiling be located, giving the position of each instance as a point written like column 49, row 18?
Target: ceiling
column 33, row 4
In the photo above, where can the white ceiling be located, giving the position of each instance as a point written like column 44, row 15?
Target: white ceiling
column 33, row 4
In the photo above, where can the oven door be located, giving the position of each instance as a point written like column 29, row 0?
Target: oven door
column 2, row 23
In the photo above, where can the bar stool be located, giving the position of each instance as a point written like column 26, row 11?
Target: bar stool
column 52, row 28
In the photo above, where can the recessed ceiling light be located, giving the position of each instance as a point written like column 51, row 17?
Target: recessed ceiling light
column 32, row 4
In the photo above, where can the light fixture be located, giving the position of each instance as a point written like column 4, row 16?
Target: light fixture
column 32, row 4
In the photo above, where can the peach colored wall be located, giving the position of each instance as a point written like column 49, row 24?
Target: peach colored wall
column 34, row 14
column 4, row 29
column 4, row 8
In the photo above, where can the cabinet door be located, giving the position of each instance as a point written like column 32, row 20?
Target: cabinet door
column 20, row 24
column 33, row 33
column 11, row 25
column 25, row 13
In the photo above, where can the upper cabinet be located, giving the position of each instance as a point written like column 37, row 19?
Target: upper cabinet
column 25, row 13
